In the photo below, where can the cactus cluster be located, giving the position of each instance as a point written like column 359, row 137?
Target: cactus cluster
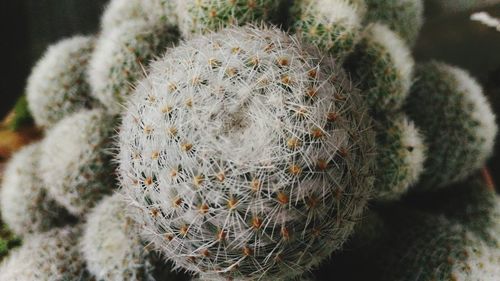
column 241, row 151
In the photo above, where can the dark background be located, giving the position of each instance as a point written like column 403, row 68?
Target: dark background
column 29, row 26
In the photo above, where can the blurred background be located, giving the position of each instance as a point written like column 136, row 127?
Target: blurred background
column 29, row 26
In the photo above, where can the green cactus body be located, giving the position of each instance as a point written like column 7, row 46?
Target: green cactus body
column 120, row 12
column 25, row 205
column 52, row 255
column 201, row 16
column 8, row 240
column 76, row 162
column 57, row 86
column 243, row 159
column 401, row 157
column 383, row 67
column 331, row 25
column 405, row 17
column 120, row 57
column 456, row 120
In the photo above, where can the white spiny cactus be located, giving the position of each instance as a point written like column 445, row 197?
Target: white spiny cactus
column 75, row 163
column 401, row 156
column 57, row 86
column 383, row 66
column 120, row 12
column 332, row 25
column 51, row 256
column 244, row 155
column 120, row 57
column 456, row 120
column 111, row 245
column 201, row 16
column 25, row 206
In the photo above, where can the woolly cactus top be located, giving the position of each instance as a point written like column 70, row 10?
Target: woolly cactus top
column 244, row 154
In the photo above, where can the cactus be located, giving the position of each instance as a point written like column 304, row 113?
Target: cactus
column 383, row 65
column 119, row 59
column 120, row 12
column 201, row 16
column 75, row 164
column 456, row 120
column 458, row 6
column 111, row 246
column 269, row 155
column 25, row 206
column 331, row 25
column 48, row 256
column 57, row 85
column 405, row 17
column 401, row 157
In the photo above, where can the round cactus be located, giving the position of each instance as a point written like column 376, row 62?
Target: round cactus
column 118, row 12
column 57, row 85
column 120, row 57
column 383, row 66
column 49, row 256
column 245, row 155
column 25, row 206
column 201, row 16
column 111, row 245
column 405, row 17
column 76, row 162
column 456, row 120
column 332, row 25
column 401, row 155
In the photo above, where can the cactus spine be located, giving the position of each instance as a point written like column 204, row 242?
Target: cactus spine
column 456, row 121
column 266, row 154
column 75, row 163
column 57, row 86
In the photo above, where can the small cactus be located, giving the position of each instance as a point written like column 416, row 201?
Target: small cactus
column 111, row 245
column 246, row 156
column 25, row 206
column 383, row 66
column 75, row 164
column 201, row 16
column 120, row 57
column 331, row 25
column 405, row 17
column 401, row 155
column 120, row 12
column 57, row 86
column 49, row 256
column 456, row 120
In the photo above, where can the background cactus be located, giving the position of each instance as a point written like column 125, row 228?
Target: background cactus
column 111, row 245
column 57, row 85
column 456, row 120
column 120, row 12
column 383, row 66
column 49, row 256
column 24, row 203
column 269, row 160
column 405, row 17
column 75, row 164
column 401, row 155
column 201, row 16
column 331, row 25
column 120, row 57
